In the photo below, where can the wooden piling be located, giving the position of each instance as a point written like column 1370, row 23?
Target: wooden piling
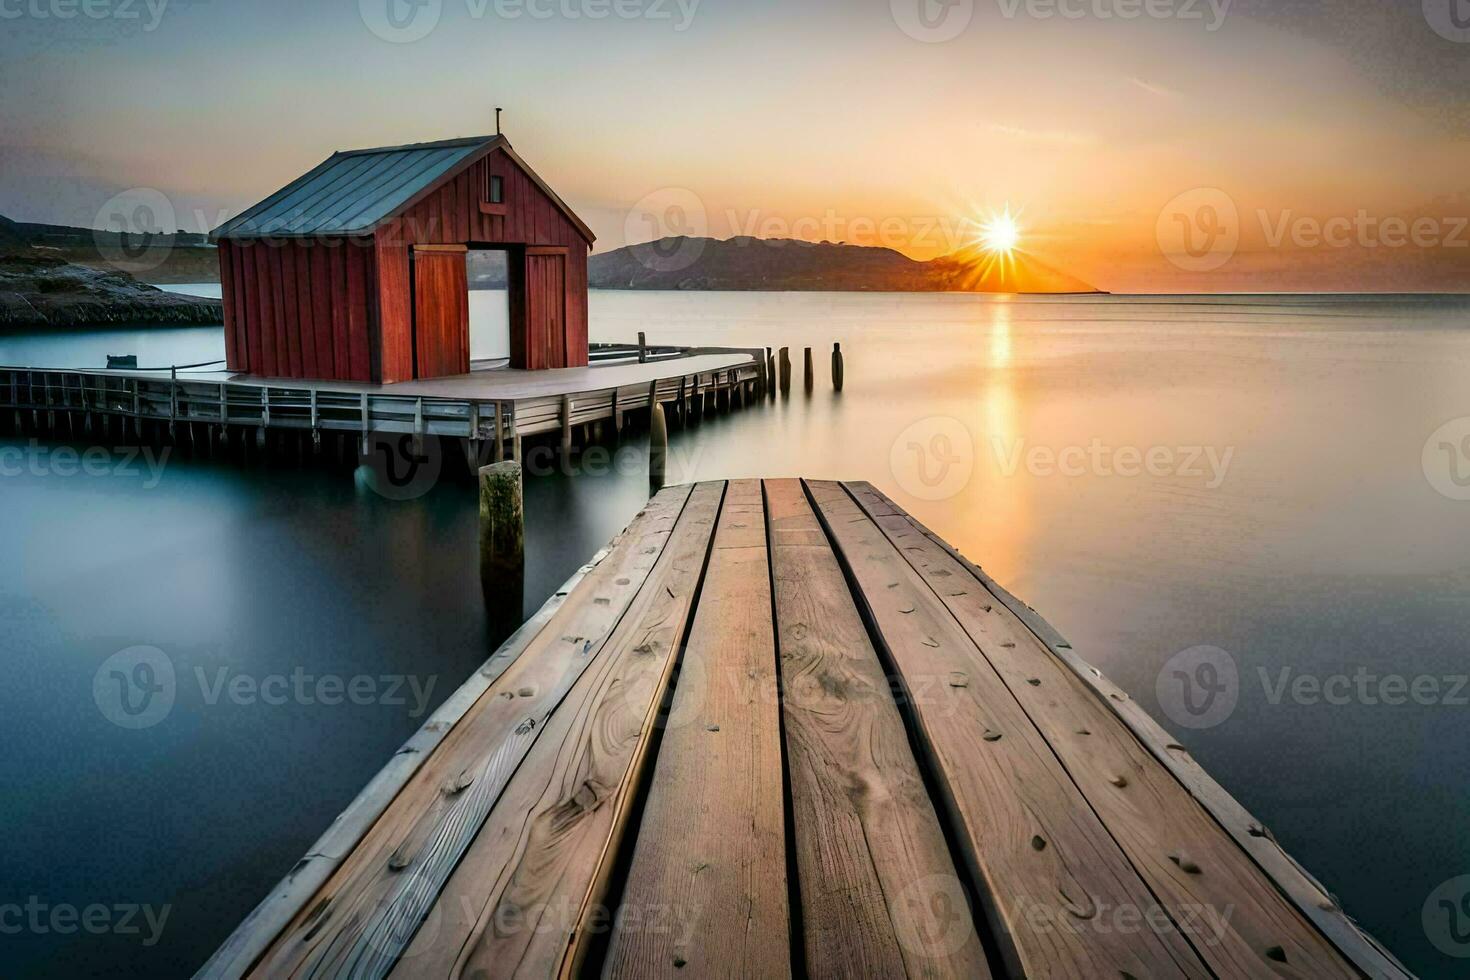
column 642, row 347
column 836, row 367
column 785, row 370
column 658, row 449
column 502, row 533
column 808, row 373
column 566, row 425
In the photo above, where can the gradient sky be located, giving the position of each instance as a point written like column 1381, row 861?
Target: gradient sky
column 805, row 118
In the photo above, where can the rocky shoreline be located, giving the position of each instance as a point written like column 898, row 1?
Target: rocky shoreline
column 45, row 291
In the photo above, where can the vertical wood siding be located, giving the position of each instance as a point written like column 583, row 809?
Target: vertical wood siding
column 343, row 308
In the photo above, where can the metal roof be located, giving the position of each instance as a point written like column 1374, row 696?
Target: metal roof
column 353, row 190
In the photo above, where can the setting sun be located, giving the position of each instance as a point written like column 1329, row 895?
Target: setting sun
column 1000, row 233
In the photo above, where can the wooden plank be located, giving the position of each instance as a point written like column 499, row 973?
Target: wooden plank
column 234, row 331
column 265, row 315
column 372, row 904
column 299, row 257
column 288, row 898
column 1305, row 893
column 341, row 322
column 321, row 308
column 880, row 894
column 1053, row 878
column 528, row 895
column 706, row 892
column 1186, row 859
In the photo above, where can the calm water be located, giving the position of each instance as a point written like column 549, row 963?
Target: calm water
column 1153, row 474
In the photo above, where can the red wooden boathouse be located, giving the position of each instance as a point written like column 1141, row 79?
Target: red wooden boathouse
column 357, row 270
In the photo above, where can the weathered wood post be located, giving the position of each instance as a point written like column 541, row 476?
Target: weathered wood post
column 837, row 367
column 658, row 449
column 770, row 373
column 808, row 373
column 566, row 426
column 642, row 347
column 502, row 534
column 785, row 370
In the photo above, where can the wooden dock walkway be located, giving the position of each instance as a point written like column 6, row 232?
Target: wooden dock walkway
column 777, row 729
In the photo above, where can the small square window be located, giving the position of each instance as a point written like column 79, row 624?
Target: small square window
column 497, row 190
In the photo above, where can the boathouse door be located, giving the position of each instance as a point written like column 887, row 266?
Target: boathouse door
column 546, row 307
column 441, row 311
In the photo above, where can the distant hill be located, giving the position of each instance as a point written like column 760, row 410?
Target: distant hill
column 11, row 236
column 745, row 263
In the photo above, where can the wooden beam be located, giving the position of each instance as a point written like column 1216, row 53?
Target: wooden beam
column 706, row 892
column 1050, row 868
column 880, row 893
column 528, row 895
column 374, row 903
column 1186, row 859
column 287, row 900
column 1305, row 893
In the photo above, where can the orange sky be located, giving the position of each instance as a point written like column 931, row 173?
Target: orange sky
column 814, row 120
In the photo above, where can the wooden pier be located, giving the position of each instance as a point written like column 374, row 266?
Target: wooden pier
column 780, row 728
column 493, row 407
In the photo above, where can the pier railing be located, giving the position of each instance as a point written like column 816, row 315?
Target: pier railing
column 68, row 401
